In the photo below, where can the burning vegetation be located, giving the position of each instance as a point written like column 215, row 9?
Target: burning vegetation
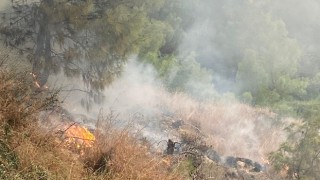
column 79, row 137
column 213, row 86
column 28, row 151
column 35, row 145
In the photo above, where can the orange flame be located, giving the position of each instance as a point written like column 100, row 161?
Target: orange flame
column 78, row 137
column 36, row 83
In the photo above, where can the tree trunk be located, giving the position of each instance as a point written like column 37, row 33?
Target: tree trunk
column 43, row 58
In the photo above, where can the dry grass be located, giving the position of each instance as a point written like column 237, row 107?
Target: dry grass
column 233, row 129
column 17, row 99
column 29, row 152
column 117, row 155
column 41, row 156
column 33, row 153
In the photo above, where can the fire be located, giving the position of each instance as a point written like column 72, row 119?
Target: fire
column 78, row 137
column 265, row 160
column 36, row 83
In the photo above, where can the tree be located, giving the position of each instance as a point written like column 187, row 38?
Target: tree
column 91, row 38
column 188, row 76
column 38, row 28
column 268, row 68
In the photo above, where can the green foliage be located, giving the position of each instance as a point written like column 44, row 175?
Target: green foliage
column 36, row 172
column 268, row 71
column 313, row 87
column 8, row 160
column 88, row 38
column 188, row 76
column 186, row 167
column 300, row 155
column 247, row 97
column 291, row 87
column 248, row 46
column 178, row 14
column 126, row 28
column 251, row 73
column 163, row 64
column 183, row 74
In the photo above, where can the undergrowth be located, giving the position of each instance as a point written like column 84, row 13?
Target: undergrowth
column 29, row 152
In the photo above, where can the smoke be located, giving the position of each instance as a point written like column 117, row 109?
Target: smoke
column 224, row 30
column 137, row 97
column 302, row 22
column 4, row 4
column 218, row 39
column 211, row 38
column 301, row 19
column 135, row 87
